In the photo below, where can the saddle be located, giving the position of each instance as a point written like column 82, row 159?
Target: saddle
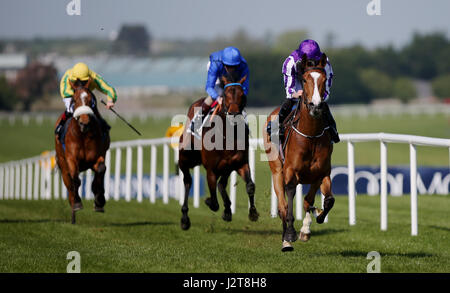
column 288, row 121
column 62, row 135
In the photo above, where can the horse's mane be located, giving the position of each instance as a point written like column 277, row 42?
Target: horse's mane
column 309, row 63
column 233, row 76
column 80, row 83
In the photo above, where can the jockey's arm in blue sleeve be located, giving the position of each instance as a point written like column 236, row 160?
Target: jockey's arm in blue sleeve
column 213, row 74
column 246, row 72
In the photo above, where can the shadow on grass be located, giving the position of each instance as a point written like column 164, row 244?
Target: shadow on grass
column 254, row 232
column 326, row 231
column 279, row 232
column 440, row 228
column 358, row 253
column 133, row 224
column 21, row 221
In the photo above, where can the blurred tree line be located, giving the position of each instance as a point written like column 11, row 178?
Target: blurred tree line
column 361, row 75
column 34, row 82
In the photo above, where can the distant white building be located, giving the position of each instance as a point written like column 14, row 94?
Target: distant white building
column 10, row 64
column 136, row 76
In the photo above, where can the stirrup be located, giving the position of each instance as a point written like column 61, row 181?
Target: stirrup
column 58, row 129
column 197, row 120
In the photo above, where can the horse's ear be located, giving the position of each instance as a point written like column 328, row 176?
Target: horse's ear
column 72, row 85
column 323, row 60
column 302, row 65
column 243, row 79
column 88, row 83
column 224, row 79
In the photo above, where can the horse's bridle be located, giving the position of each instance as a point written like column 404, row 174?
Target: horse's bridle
column 84, row 109
column 303, row 97
column 302, row 80
column 225, row 108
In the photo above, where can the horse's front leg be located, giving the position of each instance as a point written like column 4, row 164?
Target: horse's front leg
column 222, row 185
column 244, row 172
column 308, row 205
column 74, row 183
column 98, row 187
column 187, row 180
column 211, row 201
column 328, row 202
column 290, row 186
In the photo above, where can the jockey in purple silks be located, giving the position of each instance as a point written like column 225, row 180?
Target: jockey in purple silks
column 294, row 88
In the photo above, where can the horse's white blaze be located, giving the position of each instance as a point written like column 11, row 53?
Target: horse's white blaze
column 316, row 99
column 83, row 98
column 82, row 110
column 306, row 224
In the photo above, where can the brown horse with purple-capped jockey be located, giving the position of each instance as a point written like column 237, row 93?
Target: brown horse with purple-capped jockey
column 219, row 150
column 307, row 154
column 83, row 147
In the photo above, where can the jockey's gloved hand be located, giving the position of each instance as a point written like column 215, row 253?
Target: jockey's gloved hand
column 109, row 104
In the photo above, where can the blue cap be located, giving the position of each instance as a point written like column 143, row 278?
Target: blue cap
column 231, row 56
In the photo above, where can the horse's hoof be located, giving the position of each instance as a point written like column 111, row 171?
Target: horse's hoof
column 304, row 237
column 185, row 223
column 77, row 206
column 286, row 246
column 213, row 206
column 226, row 217
column 99, row 209
column 291, row 236
column 253, row 215
column 320, row 218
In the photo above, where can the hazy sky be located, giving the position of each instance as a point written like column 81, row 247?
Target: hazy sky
column 347, row 19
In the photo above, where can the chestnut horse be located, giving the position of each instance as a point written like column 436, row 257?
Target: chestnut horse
column 220, row 153
column 307, row 154
column 85, row 148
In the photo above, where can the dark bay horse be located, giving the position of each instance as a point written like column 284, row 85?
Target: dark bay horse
column 85, row 148
column 219, row 152
column 307, row 154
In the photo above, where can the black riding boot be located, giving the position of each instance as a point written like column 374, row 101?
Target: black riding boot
column 332, row 123
column 59, row 128
column 104, row 126
column 285, row 109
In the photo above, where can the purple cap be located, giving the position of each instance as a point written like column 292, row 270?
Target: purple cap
column 310, row 48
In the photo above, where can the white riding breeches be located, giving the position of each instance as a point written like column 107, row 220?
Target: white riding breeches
column 69, row 105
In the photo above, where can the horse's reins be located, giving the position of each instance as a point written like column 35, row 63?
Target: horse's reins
column 224, row 105
column 303, row 97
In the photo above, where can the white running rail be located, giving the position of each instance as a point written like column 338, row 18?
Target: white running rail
column 32, row 178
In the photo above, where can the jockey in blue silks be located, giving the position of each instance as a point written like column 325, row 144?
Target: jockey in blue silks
column 225, row 62
column 294, row 88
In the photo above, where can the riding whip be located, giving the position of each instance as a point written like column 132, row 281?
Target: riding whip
column 131, row 126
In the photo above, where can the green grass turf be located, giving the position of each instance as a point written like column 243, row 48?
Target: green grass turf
column 131, row 237
column 35, row 236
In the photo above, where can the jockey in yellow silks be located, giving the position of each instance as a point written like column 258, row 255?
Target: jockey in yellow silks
column 82, row 73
